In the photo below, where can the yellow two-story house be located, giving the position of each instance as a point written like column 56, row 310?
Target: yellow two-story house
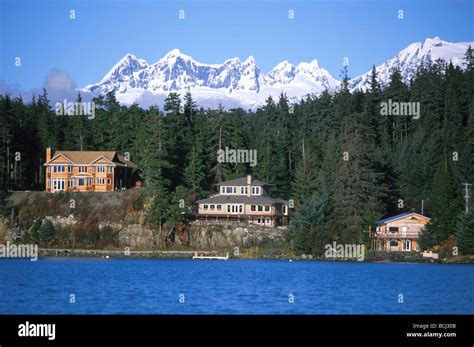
column 246, row 200
column 400, row 232
column 81, row 171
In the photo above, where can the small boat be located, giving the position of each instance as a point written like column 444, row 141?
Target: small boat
column 211, row 257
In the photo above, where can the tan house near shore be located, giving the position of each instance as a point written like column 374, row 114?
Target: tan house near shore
column 245, row 200
column 400, row 232
column 81, row 171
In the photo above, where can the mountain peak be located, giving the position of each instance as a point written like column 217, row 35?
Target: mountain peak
column 434, row 42
column 313, row 64
column 240, row 83
column 173, row 53
column 250, row 60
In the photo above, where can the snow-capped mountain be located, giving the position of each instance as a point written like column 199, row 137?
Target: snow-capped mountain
column 236, row 83
column 232, row 83
column 410, row 58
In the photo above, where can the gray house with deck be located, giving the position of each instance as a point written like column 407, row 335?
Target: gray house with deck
column 245, row 200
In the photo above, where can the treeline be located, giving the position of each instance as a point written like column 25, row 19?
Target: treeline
column 343, row 163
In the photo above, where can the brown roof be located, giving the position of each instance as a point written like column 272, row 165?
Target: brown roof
column 87, row 157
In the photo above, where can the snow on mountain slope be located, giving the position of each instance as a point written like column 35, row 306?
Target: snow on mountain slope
column 410, row 58
column 235, row 83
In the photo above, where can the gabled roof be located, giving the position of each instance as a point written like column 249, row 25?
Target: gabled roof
column 242, row 181
column 400, row 216
column 88, row 157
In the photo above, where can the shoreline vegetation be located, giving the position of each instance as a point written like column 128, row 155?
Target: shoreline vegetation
column 108, row 224
column 247, row 254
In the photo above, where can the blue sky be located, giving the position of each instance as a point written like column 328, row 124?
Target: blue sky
column 367, row 32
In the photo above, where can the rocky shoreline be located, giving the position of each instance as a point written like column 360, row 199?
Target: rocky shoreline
column 256, row 255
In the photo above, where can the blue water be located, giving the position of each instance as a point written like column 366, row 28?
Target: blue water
column 135, row 286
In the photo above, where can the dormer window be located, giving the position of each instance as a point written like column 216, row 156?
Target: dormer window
column 229, row 190
column 223, row 190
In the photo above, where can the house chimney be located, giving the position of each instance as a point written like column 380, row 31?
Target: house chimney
column 249, row 185
column 48, row 154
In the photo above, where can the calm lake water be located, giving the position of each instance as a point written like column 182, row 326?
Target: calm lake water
column 136, row 286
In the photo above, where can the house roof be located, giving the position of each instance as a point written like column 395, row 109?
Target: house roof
column 399, row 216
column 241, row 199
column 87, row 157
column 242, row 181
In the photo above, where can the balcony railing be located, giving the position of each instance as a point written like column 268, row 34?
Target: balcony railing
column 398, row 234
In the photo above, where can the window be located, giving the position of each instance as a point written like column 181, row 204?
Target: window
column 257, row 190
column 71, row 168
column 235, row 190
column 253, row 208
column 212, row 207
column 59, row 168
column 393, row 243
column 258, row 221
column 82, row 169
column 219, row 207
column 378, row 229
column 69, row 183
column 240, row 208
column 206, row 207
column 228, row 208
column 58, row 184
column 223, row 190
column 80, row 182
column 284, row 209
column 49, row 168
column 101, row 169
column 242, row 190
column 253, row 190
column 109, row 181
column 268, row 220
column 111, row 169
column 267, row 208
column 406, row 245
column 100, row 181
column 89, row 181
column 260, row 208
column 229, row 190
column 393, row 229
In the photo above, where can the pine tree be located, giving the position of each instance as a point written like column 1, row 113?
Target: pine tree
column 465, row 233
column 152, row 162
column 359, row 189
column 305, row 181
column 443, row 203
column 308, row 227
column 46, row 231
